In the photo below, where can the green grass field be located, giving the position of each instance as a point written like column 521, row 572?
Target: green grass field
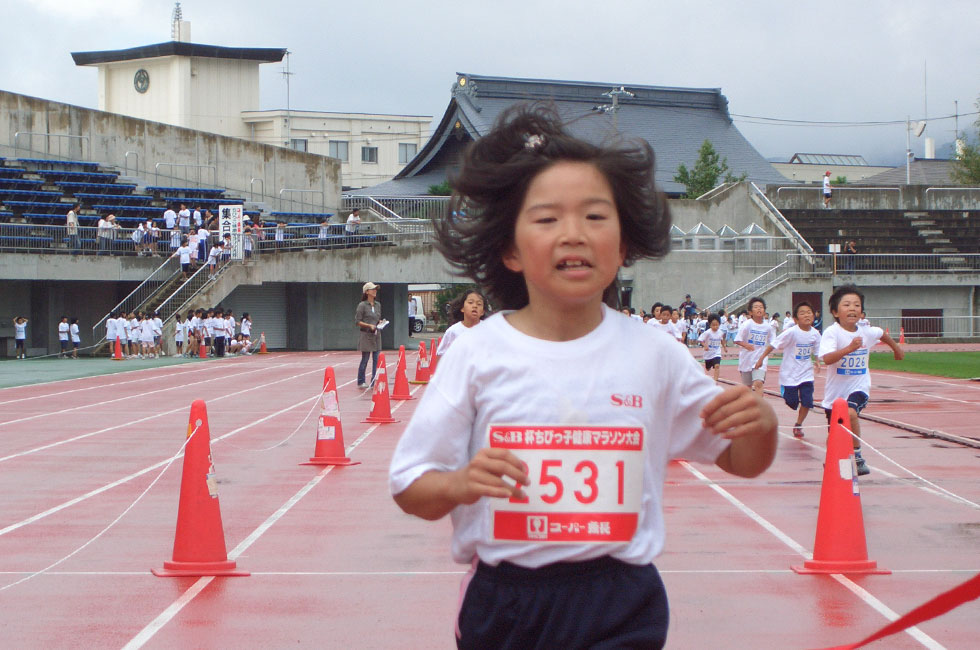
column 957, row 365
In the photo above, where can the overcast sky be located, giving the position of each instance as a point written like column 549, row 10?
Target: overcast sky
column 855, row 61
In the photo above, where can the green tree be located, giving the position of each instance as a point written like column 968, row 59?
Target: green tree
column 442, row 189
column 706, row 172
column 966, row 167
column 840, row 180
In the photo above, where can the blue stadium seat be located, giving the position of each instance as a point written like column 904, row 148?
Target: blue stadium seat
column 99, row 188
column 10, row 183
column 36, row 207
column 38, row 196
column 117, row 199
column 69, row 176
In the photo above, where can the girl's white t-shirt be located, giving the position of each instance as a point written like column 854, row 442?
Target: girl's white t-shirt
column 246, row 327
column 20, row 330
column 850, row 374
column 146, row 331
column 185, row 254
column 73, row 331
column 798, row 348
column 450, row 335
column 496, row 375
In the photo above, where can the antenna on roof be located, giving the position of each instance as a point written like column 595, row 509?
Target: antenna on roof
column 175, row 19
column 613, row 94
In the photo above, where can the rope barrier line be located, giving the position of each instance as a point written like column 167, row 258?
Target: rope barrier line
column 316, row 401
column 114, row 521
column 953, row 495
column 928, row 433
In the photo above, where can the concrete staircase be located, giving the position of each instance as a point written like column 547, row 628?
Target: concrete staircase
column 932, row 234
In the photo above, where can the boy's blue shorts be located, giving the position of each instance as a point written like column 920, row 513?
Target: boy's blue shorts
column 856, row 400
column 796, row 395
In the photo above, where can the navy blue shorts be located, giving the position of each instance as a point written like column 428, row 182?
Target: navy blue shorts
column 796, row 395
column 711, row 363
column 602, row 603
column 856, row 400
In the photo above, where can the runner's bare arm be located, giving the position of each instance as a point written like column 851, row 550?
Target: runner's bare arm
column 750, row 423
column 896, row 349
column 434, row 494
column 765, row 353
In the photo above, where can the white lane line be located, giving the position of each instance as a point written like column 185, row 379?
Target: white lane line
column 209, row 380
column 905, row 375
column 863, row 594
column 147, row 633
column 125, row 479
column 35, row 450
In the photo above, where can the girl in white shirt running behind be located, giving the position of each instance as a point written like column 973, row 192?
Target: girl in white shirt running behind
column 541, row 418
column 471, row 307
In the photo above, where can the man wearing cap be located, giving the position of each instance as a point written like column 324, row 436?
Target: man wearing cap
column 826, row 190
column 369, row 323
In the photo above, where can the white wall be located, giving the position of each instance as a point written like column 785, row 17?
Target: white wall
column 358, row 130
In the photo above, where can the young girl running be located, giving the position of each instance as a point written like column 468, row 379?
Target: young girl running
column 713, row 342
column 551, row 464
column 467, row 310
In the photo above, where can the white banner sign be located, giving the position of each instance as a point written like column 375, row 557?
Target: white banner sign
column 231, row 221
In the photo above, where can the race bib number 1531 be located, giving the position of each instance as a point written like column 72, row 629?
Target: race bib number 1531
column 586, row 484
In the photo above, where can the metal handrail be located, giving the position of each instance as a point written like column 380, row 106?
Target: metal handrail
column 251, row 185
column 126, row 161
column 171, row 165
column 17, row 134
column 300, row 191
column 753, row 285
column 143, row 292
column 781, row 221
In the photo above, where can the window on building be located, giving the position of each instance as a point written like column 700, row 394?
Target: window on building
column 338, row 150
column 406, row 151
column 297, row 144
column 369, row 154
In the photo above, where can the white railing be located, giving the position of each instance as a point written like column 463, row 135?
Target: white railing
column 756, row 286
column 777, row 217
column 941, row 326
column 142, row 293
column 400, row 207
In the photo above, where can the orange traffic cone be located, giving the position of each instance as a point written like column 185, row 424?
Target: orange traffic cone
column 330, row 449
column 421, row 366
column 434, row 357
column 202, row 351
column 840, row 545
column 199, row 545
column 901, row 336
column 262, row 349
column 381, row 409
column 401, row 378
column 117, row 353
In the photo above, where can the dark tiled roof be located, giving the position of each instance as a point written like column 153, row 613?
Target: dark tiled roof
column 921, row 172
column 179, row 48
column 675, row 121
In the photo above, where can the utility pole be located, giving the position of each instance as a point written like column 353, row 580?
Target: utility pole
column 289, row 126
column 613, row 94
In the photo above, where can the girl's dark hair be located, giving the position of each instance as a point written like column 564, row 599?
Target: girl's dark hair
column 456, row 306
column 490, row 189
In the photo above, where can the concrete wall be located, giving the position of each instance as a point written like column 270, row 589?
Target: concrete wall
column 159, row 149
column 899, row 197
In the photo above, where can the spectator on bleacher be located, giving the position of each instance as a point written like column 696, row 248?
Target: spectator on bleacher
column 324, row 233
column 202, row 244
column 106, row 233
column 248, row 242
column 280, row 234
column 826, row 190
column 184, row 219
column 139, row 232
column 850, row 250
column 353, row 222
column 197, row 216
column 169, row 218
column 71, row 228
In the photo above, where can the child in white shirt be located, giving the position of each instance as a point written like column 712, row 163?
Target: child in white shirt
column 844, row 348
column 508, row 436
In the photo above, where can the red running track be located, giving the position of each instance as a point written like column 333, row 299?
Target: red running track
column 335, row 564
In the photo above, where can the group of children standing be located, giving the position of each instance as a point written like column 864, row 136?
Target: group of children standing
column 141, row 334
